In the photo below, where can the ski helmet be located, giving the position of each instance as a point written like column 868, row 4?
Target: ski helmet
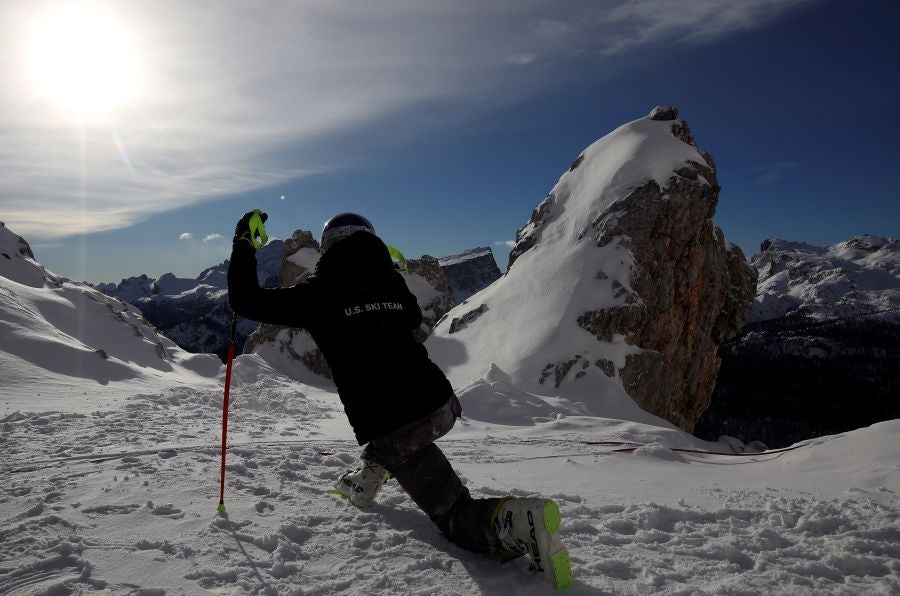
column 342, row 225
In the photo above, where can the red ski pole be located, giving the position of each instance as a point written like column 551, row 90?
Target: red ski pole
column 221, row 507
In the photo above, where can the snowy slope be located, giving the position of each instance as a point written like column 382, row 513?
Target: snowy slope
column 52, row 328
column 113, row 489
column 528, row 318
column 860, row 276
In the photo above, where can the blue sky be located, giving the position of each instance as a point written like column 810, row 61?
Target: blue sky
column 444, row 123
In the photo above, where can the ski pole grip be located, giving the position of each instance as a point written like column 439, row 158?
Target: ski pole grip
column 257, row 230
column 396, row 254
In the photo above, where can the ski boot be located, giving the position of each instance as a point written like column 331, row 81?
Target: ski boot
column 531, row 526
column 361, row 486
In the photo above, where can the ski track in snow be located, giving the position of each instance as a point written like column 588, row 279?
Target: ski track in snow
column 139, row 518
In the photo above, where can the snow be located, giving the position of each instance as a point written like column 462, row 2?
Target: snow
column 124, row 499
column 467, row 255
column 857, row 277
column 61, row 340
column 168, row 283
column 110, row 484
column 306, row 258
column 424, row 292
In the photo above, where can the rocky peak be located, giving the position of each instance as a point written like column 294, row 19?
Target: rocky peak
column 130, row 289
column 469, row 272
column 619, row 279
column 23, row 248
column 299, row 257
column 870, row 244
column 690, row 290
column 663, row 113
column 427, row 281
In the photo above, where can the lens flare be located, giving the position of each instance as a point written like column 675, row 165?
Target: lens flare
column 82, row 62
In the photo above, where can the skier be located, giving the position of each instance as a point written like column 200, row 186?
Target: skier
column 361, row 314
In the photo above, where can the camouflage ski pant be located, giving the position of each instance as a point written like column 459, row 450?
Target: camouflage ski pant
column 423, row 471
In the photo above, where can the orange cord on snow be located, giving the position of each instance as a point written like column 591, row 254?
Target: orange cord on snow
column 637, row 446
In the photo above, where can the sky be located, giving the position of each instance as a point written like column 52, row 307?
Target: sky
column 135, row 133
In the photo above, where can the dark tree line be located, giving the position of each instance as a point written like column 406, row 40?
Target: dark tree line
column 792, row 379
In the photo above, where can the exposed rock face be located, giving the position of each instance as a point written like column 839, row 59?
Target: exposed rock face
column 527, row 236
column 23, row 247
column 691, row 292
column 427, row 281
column 664, row 113
column 470, row 272
column 130, row 289
column 459, row 323
column 298, row 259
column 690, row 289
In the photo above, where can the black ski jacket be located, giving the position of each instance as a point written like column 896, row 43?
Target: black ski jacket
column 361, row 314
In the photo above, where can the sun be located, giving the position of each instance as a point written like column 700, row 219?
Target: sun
column 82, row 62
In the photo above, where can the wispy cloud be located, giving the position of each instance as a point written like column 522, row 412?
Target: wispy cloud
column 185, row 236
column 506, row 243
column 613, row 28
column 211, row 237
column 522, row 59
column 227, row 108
column 772, row 173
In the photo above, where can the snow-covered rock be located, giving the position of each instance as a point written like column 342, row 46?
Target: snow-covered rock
column 469, row 272
column 425, row 278
column 292, row 351
column 860, row 276
column 620, row 284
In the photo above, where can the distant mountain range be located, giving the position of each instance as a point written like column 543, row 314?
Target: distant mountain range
column 856, row 278
column 821, row 351
column 194, row 312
